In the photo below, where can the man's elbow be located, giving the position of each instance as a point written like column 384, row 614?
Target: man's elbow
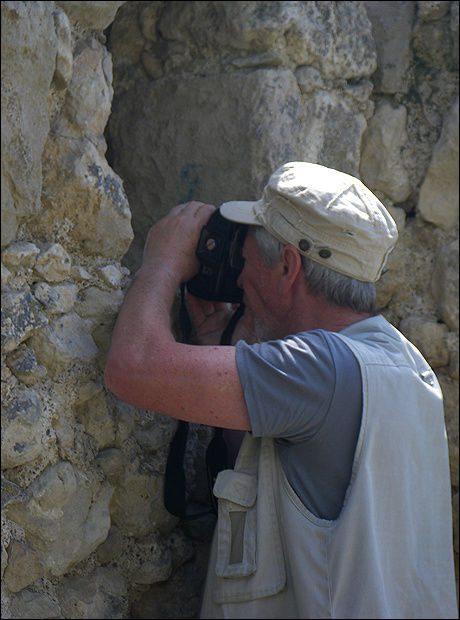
column 120, row 375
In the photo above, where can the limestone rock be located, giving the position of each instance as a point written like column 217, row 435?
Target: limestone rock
column 444, row 283
column 97, row 305
column 79, row 273
column 434, row 9
column 333, row 131
column 21, row 428
column 127, row 41
column 454, row 22
column 20, row 255
column 53, row 264
column 182, row 549
column 91, row 199
column 308, row 79
column 454, row 359
column 23, row 566
column 438, row 200
column 392, row 27
column 451, row 408
column 112, row 463
column 87, row 391
column 287, row 29
column 93, row 15
column 429, row 337
column 381, row 163
column 25, row 366
column 152, row 430
column 112, row 546
column 97, row 420
column 346, row 48
column 28, row 60
column 6, row 274
column 64, row 56
column 160, row 599
column 111, row 275
column 262, row 110
column 57, row 298
column 11, row 492
column 124, row 415
column 151, row 64
column 4, row 560
column 89, row 94
column 66, row 518
column 137, row 504
column 391, row 282
column 157, row 567
column 35, row 605
column 101, row 594
column 21, row 316
column 148, row 19
column 430, row 34
column 63, row 342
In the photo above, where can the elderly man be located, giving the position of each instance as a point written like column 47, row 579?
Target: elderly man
column 339, row 502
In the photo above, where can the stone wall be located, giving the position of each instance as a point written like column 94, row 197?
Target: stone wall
column 112, row 112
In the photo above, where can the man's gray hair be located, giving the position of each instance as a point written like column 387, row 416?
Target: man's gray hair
column 337, row 289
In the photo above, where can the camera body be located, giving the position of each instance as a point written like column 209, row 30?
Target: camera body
column 219, row 251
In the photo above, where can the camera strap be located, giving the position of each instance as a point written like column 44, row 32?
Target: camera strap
column 216, row 453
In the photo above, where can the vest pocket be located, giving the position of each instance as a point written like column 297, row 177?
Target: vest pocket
column 249, row 560
column 237, row 524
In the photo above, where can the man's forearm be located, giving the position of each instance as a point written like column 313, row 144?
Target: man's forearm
column 143, row 324
column 146, row 367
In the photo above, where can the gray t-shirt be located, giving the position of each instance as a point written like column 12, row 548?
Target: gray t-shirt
column 306, row 392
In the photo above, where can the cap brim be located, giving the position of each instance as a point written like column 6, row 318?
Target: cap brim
column 239, row 211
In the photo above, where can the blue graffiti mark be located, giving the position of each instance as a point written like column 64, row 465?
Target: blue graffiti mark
column 191, row 179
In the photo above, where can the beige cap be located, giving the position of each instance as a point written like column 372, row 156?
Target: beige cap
column 328, row 215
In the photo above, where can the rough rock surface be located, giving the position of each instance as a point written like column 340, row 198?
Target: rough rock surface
column 112, row 112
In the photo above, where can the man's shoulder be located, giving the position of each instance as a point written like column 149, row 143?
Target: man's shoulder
column 329, row 342
column 318, row 353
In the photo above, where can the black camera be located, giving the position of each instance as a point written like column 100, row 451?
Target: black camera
column 219, row 251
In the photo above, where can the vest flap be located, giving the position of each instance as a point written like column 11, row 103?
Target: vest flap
column 236, row 487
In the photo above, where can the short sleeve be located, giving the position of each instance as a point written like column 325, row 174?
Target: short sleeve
column 288, row 384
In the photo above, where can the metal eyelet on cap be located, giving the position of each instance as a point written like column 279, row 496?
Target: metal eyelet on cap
column 304, row 245
column 325, row 253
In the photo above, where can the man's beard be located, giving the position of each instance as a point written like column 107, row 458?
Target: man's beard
column 253, row 330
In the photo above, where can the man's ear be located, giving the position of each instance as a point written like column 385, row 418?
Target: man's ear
column 291, row 268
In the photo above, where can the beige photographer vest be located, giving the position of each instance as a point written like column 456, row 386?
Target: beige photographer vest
column 389, row 554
